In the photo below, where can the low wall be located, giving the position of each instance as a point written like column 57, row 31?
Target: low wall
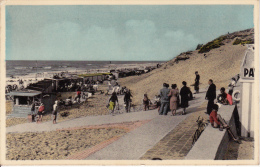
column 212, row 144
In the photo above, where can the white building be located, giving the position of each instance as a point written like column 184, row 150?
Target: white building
column 248, row 93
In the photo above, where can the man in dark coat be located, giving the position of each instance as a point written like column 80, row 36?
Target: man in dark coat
column 164, row 99
column 210, row 96
column 185, row 91
column 197, row 82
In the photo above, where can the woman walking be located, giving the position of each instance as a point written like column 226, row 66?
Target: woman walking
column 185, row 91
column 55, row 112
column 146, row 102
column 174, row 92
column 112, row 102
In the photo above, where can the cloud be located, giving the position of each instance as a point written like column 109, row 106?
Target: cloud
column 140, row 41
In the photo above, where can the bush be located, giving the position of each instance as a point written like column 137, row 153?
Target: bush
column 213, row 44
column 239, row 41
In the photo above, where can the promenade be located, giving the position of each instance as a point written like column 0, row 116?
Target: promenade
column 157, row 136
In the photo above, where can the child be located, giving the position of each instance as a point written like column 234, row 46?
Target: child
column 218, row 122
column 213, row 118
column 40, row 112
column 146, row 102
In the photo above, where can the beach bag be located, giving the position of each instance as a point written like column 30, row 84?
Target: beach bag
column 229, row 98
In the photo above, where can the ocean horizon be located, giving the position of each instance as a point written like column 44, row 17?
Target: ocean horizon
column 25, row 67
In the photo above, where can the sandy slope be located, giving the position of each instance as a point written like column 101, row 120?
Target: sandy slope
column 221, row 64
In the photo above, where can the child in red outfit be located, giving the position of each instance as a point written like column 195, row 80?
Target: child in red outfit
column 213, row 118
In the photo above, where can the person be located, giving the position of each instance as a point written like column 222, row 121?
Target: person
column 197, row 82
column 55, row 111
column 185, row 91
column 78, row 95
column 222, row 97
column 127, row 100
column 217, row 121
column 33, row 111
column 112, row 102
column 210, row 95
column 164, row 100
column 174, row 92
column 146, row 102
column 40, row 112
column 213, row 117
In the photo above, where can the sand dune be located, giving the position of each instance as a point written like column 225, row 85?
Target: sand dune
column 221, row 64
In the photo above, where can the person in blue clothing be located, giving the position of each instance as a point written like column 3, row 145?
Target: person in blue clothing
column 164, row 99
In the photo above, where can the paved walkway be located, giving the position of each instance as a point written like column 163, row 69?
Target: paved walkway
column 177, row 143
column 133, row 145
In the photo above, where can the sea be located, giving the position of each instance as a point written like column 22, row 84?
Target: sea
column 25, row 67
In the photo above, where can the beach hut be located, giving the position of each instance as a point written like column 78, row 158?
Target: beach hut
column 22, row 101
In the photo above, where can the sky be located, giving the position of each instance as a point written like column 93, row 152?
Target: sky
column 117, row 32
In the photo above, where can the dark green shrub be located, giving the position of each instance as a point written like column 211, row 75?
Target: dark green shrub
column 213, row 44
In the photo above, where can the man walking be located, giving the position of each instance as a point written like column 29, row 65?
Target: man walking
column 164, row 100
column 197, row 82
column 210, row 96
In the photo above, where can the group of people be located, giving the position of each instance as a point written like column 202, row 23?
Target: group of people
column 113, row 101
column 37, row 111
column 170, row 98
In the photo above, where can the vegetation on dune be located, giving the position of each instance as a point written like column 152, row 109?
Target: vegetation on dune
column 213, row 44
column 240, row 41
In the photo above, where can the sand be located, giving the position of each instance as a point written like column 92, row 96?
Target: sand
column 96, row 105
column 243, row 151
column 56, row 144
column 220, row 65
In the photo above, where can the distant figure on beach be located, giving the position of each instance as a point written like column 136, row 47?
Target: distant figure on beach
column 173, row 94
column 222, row 97
column 112, row 102
column 33, row 111
column 40, row 112
column 185, row 91
column 78, row 96
column 210, row 95
column 197, row 82
column 55, row 111
column 146, row 102
column 127, row 100
column 164, row 99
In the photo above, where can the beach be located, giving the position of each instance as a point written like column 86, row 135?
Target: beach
column 219, row 64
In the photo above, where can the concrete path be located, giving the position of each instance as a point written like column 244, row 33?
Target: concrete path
column 135, row 144
column 85, row 121
column 131, row 146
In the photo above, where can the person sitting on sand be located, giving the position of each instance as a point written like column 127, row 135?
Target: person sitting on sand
column 174, row 92
column 146, row 102
column 222, row 97
column 112, row 102
column 55, row 111
column 185, row 91
column 40, row 112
